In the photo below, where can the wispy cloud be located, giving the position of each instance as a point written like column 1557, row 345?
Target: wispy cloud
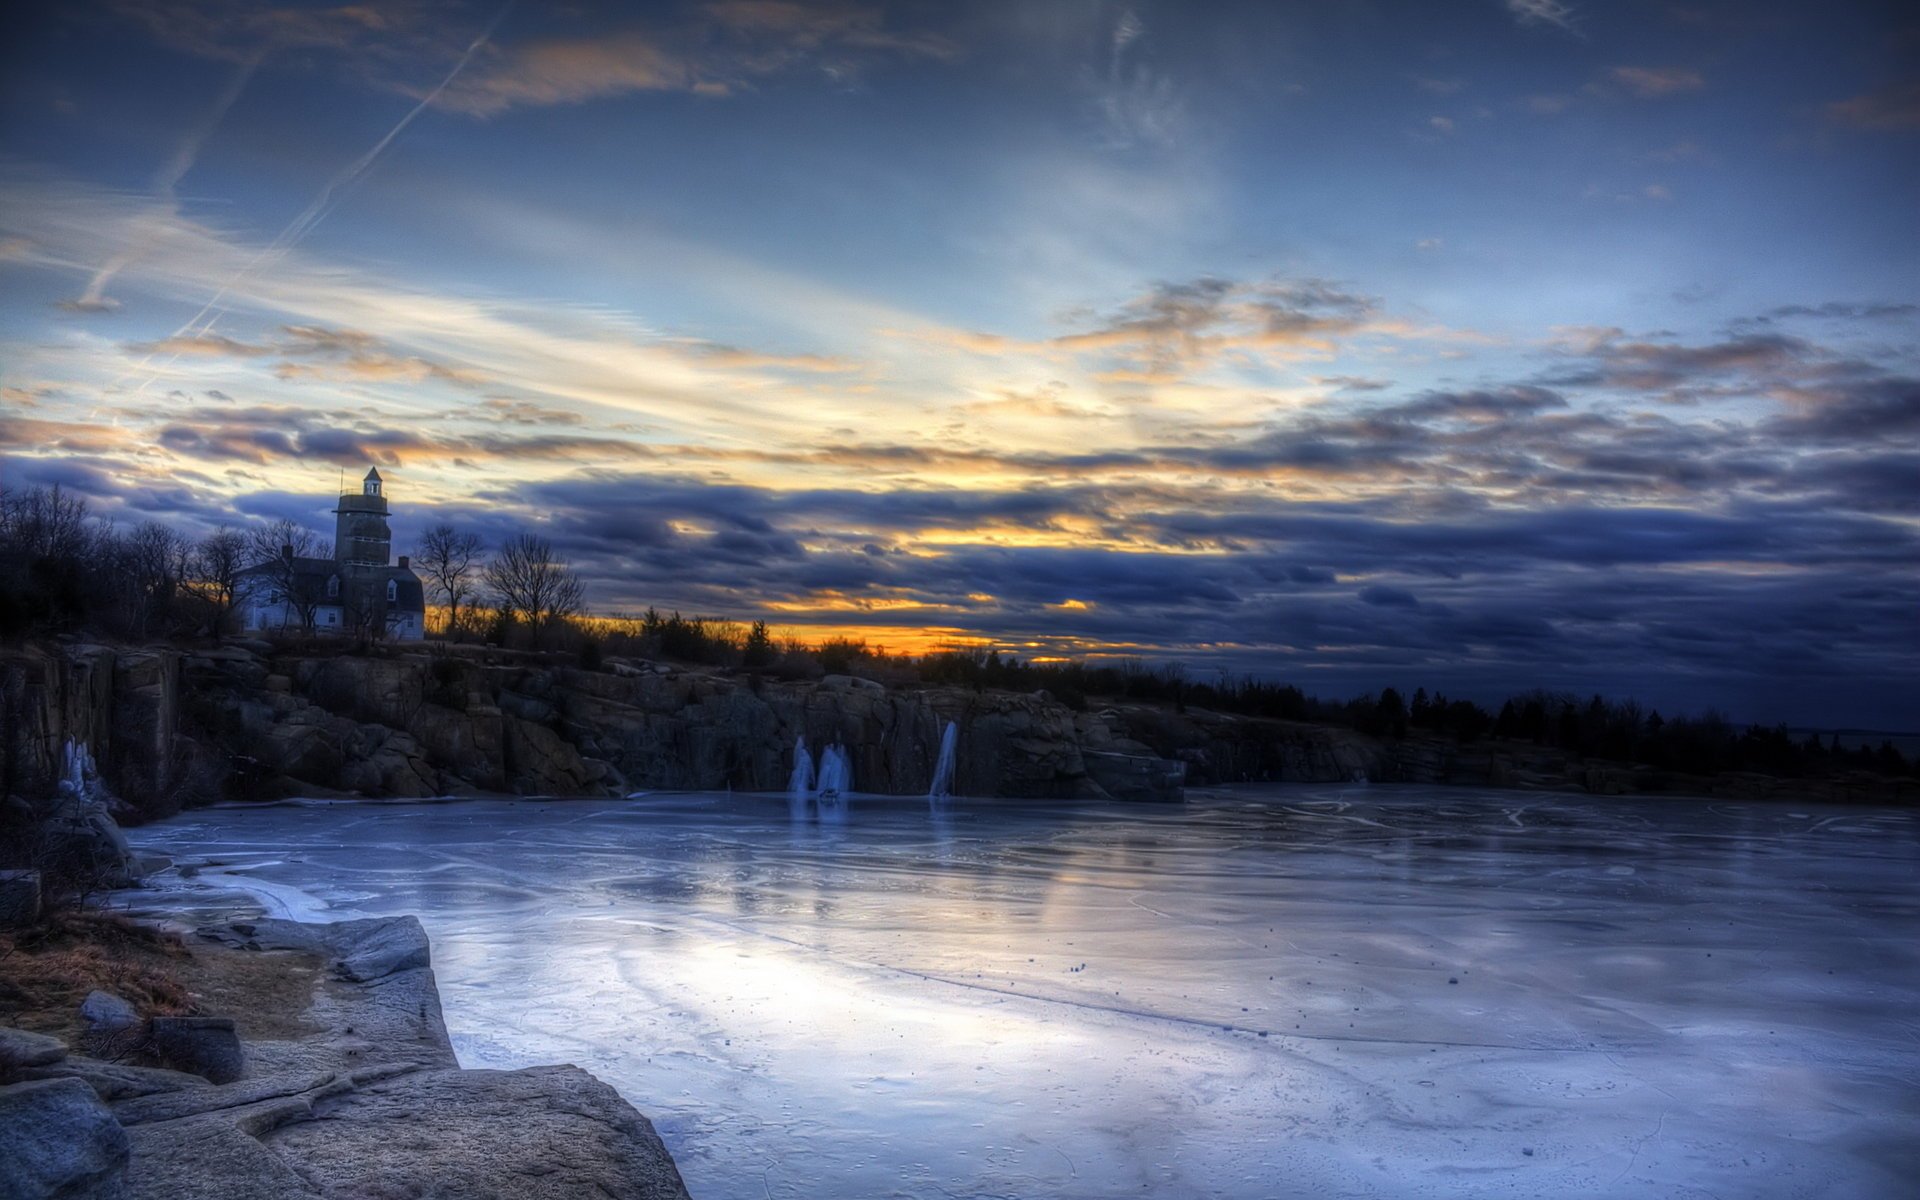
column 1556, row 13
column 1137, row 104
column 1894, row 107
column 1652, row 83
column 724, row 47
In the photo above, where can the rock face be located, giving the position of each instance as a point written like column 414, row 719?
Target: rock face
column 465, row 720
column 249, row 720
column 124, row 704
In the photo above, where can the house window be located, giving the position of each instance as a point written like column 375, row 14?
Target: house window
column 333, row 587
column 393, row 590
column 333, row 618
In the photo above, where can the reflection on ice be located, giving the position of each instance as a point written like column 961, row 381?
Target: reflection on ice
column 1283, row 991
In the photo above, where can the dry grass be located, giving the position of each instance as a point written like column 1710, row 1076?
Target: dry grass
column 45, row 972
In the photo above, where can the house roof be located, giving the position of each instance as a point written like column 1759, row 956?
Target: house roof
column 409, row 593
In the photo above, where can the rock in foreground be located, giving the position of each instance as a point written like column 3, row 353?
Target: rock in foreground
column 364, row 1100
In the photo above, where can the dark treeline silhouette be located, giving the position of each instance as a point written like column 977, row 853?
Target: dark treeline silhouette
column 63, row 570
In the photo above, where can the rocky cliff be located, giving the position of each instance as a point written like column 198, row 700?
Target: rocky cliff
column 252, row 720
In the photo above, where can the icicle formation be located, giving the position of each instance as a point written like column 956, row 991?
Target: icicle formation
column 942, row 785
column 836, row 772
column 800, row 783
column 79, row 778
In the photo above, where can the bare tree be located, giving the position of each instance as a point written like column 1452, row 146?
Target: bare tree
column 213, row 574
column 450, row 560
column 531, row 585
column 153, row 561
column 270, row 540
column 44, row 523
column 278, row 546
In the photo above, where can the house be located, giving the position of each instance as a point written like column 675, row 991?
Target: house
column 356, row 592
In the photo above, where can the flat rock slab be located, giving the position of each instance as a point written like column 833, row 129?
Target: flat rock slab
column 114, row 1081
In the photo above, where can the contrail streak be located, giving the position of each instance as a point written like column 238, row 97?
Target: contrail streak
column 165, row 181
column 316, row 212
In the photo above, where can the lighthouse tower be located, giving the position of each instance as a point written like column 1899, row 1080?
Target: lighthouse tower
column 360, row 534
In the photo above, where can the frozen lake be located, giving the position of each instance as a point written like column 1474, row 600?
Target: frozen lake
column 1282, row 991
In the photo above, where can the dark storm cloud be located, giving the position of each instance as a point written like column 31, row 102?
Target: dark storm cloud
column 1383, row 596
column 1494, row 405
column 1862, row 411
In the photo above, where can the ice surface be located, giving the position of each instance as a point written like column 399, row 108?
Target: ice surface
column 1273, row 992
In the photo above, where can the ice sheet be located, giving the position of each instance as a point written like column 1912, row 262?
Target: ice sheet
column 1266, row 992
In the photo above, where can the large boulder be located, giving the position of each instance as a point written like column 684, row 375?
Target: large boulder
column 205, row 1046
column 61, row 1143
column 544, row 1133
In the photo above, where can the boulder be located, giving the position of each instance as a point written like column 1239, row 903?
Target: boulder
column 19, row 898
column 205, row 1046
column 61, row 1141
column 380, row 946
column 108, row 1013
column 544, row 1133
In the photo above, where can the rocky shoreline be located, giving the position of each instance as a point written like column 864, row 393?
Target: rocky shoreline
column 356, row 1094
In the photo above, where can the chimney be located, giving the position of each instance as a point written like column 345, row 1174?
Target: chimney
column 403, row 562
column 286, row 552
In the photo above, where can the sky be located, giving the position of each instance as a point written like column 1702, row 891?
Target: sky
column 1470, row 344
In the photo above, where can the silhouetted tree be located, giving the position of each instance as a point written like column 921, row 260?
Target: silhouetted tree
column 758, row 650
column 449, row 561
column 532, row 585
column 213, row 575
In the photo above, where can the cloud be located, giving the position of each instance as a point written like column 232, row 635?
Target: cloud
column 1652, row 83
column 724, row 47
column 1491, row 405
column 1136, row 104
column 316, row 352
column 1556, row 13
column 572, row 72
column 1174, row 328
column 1844, row 311
column 1894, row 107
column 1381, row 596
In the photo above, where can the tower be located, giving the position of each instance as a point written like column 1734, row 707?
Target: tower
column 360, row 533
